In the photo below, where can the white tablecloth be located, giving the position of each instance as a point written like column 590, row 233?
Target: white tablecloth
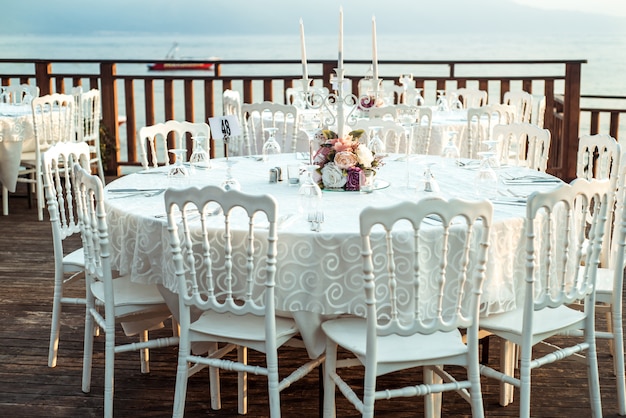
column 319, row 273
column 16, row 136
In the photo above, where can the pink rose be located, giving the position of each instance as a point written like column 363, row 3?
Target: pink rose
column 345, row 160
column 321, row 156
column 344, row 144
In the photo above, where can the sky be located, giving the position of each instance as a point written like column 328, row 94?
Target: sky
column 320, row 16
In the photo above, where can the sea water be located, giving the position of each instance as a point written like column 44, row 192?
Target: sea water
column 603, row 74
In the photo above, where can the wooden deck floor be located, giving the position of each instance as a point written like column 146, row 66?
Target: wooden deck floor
column 28, row 388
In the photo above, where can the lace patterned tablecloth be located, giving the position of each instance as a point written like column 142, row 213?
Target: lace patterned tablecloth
column 319, row 273
column 16, row 136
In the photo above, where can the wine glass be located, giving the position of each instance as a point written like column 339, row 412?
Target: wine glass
column 491, row 152
column 178, row 172
column 310, row 125
column 376, row 143
column 406, row 80
column 229, row 183
column 450, row 152
column 486, row 179
column 442, row 101
column 419, row 100
column 310, row 198
column 407, row 118
column 199, row 157
column 271, row 147
column 455, row 103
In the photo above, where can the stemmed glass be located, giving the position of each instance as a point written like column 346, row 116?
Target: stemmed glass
column 199, row 157
column 486, row 179
column 491, row 153
column 455, row 103
column 178, row 172
column 310, row 126
column 419, row 100
column 376, row 143
column 450, row 151
column 229, row 183
column 442, row 101
column 406, row 80
column 310, row 199
column 271, row 146
column 407, row 118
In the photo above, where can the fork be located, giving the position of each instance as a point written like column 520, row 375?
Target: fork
column 144, row 194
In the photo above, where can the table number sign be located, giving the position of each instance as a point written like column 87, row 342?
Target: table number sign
column 224, row 127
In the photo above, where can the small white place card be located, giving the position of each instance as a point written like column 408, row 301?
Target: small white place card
column 224, row 126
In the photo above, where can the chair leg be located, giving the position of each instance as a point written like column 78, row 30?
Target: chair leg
column 55, row 323
column 145, row 353
column 618, row 359
column 5, row 201
column 214, row 382
column 330, row 368
column 109, row 369
column 508, row 357
column 432, row 402
column 593, row 377
column 87, row 351
column 182, row 374
column 242, row 382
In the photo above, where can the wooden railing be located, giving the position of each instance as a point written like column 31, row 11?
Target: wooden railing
column 138, row 97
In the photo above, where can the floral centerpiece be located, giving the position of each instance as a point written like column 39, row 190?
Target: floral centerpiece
column 341, row 160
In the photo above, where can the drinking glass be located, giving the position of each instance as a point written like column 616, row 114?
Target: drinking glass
column 419, row 100
column 310, row 125
column 455, row 103
column 442, row 101
column 271, row 147
column 486, row 179
column 376, row 143
column 178, row 172
column 450, row 152
column 199, row 157
column 310, row 197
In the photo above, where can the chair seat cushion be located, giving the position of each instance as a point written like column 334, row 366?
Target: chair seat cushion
column 232, row 327
column 127, row 292
column 74, row 261
column 545, row 321
column 350, row 333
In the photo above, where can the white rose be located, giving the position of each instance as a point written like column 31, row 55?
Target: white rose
column 333, row 177
column 364, row 156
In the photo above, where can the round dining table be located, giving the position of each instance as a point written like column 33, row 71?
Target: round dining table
column 319, row 273
column 16, row 136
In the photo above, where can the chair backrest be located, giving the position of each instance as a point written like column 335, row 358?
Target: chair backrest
column 87, row 115
column 446, row 264
column 258, row 116
column 225, row 265
column 156, row 140
column 423, row 130
column 555, row 251
column 95, row 235
column 471, row 97
column 391, row 132
column 523, row 144
column 59, row 183
column 523, row 102
column 53, row 120
column 480, row 123
column 18, row 94
column 538, row 114
column 599, row 157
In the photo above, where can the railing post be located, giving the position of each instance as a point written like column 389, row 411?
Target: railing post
column 328, row 68
column 109, row 113
column 571, row 119
column 43, row 77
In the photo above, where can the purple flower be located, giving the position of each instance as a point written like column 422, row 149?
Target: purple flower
column 352, row 183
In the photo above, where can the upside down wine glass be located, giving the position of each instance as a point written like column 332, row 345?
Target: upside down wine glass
column 450, row 152
column 271, row 147
column 309, row 196
column 199, row 157
column 178, row 173
column 230, row 183
column 310, row 126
